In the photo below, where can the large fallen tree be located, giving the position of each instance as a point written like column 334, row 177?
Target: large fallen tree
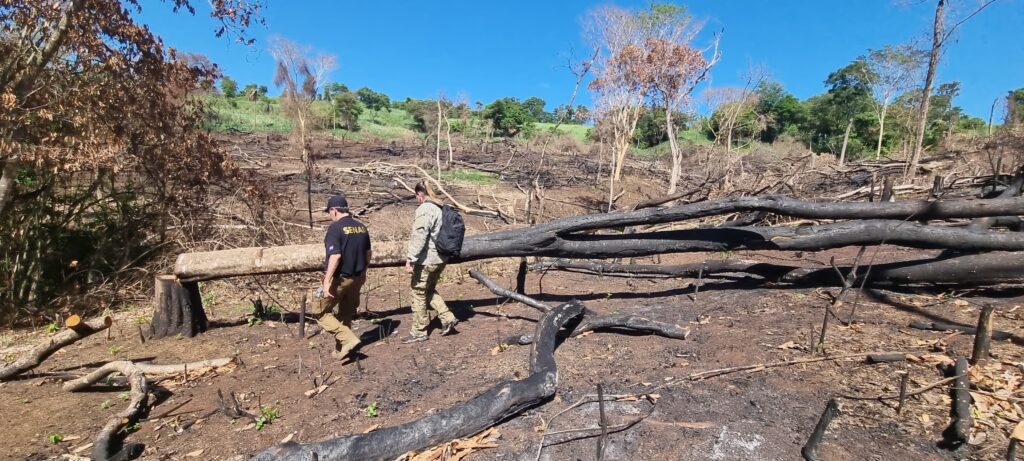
column 462, row 420
column 975, row 269
column 898, row 223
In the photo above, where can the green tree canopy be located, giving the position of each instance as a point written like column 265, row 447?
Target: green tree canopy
column 228, row 86
column 373, row 100
column 783, row 113
column 510, row 117
column 348, row 108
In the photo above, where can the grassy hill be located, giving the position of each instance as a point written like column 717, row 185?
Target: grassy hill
column 239, row 114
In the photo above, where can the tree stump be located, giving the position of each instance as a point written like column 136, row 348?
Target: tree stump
column 178, row 308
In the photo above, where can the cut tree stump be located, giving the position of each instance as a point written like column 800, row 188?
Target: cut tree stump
column 178, row 309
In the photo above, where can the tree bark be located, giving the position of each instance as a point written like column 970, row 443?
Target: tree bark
column 846, row 140
column 978, row 269
column 75, row 330
column 178, row 308
column 677, row 156
column 881, row 129
column 8, row 170
column 495, row 405
column 926, row 93
column 959, row 430
column 105, row 444
column 560, row 238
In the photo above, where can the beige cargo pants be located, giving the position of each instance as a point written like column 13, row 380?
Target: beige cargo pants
column 346, row 297
column 425, row 298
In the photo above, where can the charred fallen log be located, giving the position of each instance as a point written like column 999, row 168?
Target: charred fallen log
column 562, row 238
column 105, row 447
column 462, row 420
column 978, row 269
column 590, row 322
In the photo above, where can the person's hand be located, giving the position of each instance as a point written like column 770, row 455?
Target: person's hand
column 408, row 267
column 327, row 289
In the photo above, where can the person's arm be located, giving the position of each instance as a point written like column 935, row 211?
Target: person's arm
column 332, row 266
column 418, row 239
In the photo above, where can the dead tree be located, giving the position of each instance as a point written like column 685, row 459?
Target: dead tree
column 462, row 420
column 872, row 223
column 965, row 270
column 75, row 330
column 178, row 310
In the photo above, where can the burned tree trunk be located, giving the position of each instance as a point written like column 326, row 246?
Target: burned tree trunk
column 178, row 308
column 106, row 446
column 977, row 269
column 563, row 238
column 462, row 420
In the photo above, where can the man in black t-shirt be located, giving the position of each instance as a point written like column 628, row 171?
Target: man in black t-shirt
column 347, row 248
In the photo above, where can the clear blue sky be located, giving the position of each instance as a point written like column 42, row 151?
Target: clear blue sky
column 487, row 50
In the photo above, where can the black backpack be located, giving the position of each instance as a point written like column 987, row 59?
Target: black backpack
column 453, row 230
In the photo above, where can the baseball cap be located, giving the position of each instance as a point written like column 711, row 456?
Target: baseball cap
column 336, row 201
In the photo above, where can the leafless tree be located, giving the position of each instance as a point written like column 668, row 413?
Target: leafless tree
column 940, row 34
column 299, row 74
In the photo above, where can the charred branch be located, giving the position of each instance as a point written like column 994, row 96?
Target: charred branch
column 106, row 443
column 495, row 405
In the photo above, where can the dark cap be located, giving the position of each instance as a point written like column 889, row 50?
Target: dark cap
column 337, row 201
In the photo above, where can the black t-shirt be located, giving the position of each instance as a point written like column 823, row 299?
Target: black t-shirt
column 350, row 239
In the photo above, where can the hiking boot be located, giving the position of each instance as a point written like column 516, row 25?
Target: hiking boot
column 345, row 350
column 448, row 328
column 413, row 339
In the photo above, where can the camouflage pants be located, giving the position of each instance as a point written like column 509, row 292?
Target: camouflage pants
column 425, row 298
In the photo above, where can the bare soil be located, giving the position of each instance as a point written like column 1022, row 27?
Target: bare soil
column 759, row 415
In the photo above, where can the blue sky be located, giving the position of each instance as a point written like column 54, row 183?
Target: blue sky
column 487, row 50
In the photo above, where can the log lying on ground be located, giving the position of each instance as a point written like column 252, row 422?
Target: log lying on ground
column 632, row 322
column 590, row 322
column 139, row 394
column 75, row 330
column 152, row 369
column 976, row 269
column 557, row 238
column 997, row 335
column 462, row 420
column 959, row 430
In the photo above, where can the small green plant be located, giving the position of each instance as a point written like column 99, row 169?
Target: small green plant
column 371, row 410
column 52, row 327
column 105, row 404
column 267, row 415
column 124, row 396
column 128, row 429
column 116, row 349
column 55, row 438
column 503, row 347
column 142, row 320
column 608, row 295
column 312, row 345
